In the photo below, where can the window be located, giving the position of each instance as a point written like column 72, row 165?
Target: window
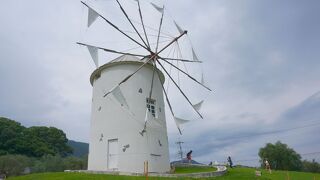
column 151, row 105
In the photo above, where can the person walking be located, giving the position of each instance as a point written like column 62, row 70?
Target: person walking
column 230, row 162
column 267, row 164
column 189, row 156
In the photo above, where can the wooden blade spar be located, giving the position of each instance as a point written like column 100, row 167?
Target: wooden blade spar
column 179, row 89
column 135, row 29
column 117, row 28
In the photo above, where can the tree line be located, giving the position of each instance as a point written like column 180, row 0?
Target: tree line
column 282, row 157
column 35, row 149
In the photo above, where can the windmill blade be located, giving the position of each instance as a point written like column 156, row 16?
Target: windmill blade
column 194, row 55
column 160, row 9
column 159, row 30
column 186, row 74
column 111, row 51
column 130, row 75
column 179, row 122
column 183, row 60
column 178, row 27
column 174, row 40
column 94, row 54
column 150, row 94
column 202, row 79
column 179, row 89
column 118, row 95
column 167, row 98
column 142, row 23
column 198, row 105
column 151, row 88
column 135, row 29
column 92, row 16
column 115, row 27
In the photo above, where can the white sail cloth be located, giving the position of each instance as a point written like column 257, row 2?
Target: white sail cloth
column 194, row 55
column 179, row 122
column 94, row 54
column 198, row 105
column 178, row 27
column 160, row 9
column 202, row 79
column 151, row 120
column 117, row 94
column 92, row 16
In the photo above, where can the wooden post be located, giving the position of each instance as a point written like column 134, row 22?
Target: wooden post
column 146, row 169
column 288, row 177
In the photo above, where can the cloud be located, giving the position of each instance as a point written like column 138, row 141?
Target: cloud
column 260, row 59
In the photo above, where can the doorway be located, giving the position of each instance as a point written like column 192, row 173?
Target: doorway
column 113, row 154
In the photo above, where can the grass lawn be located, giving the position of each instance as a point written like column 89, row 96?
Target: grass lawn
column 73, row 176
column 249, row 174
column 232, row 174
column 181, row 170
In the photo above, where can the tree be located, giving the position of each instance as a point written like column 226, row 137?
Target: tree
column 55, row 139
column 280, row 157
column 10, row 136
column 33, row 141
column 14, row 164
column 311, row 166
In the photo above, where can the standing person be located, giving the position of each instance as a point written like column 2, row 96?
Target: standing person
column 267, row 164
column 230, row 162
column 189, row 156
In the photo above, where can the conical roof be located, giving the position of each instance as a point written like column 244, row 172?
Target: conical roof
column 124, row 59
column 129, row 58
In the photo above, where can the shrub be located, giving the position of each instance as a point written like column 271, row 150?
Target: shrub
column 12, row 165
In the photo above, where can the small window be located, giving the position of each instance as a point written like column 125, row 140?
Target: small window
column 151, row 105
column 140, row 90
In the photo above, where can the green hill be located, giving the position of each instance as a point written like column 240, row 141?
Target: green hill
column 36, row 141
column 80, row 149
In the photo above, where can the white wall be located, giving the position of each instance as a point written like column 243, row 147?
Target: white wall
column 115, row 122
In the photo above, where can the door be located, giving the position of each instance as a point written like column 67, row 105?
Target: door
column 113, row 154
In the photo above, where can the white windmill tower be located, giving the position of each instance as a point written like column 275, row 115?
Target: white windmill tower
column 128, row 124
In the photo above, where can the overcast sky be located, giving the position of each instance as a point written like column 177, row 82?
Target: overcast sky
column 261, row 58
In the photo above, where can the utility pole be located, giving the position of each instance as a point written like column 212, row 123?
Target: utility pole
column 180, row 152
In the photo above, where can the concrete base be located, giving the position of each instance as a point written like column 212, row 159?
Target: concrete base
column 221, row 170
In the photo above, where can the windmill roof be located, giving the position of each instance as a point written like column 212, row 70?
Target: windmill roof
column 124, row 59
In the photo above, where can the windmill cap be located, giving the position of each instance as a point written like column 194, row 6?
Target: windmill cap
column 124, row 59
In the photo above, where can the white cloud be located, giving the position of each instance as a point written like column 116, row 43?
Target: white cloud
column 259, row 64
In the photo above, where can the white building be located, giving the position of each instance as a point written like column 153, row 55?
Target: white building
column 116, row 142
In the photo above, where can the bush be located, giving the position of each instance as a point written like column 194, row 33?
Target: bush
column 48, row 163
column 51, row 163
column 13, row 165
column 74, row 163
column 311, row 166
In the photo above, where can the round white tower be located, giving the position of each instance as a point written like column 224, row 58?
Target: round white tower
column 117, row 140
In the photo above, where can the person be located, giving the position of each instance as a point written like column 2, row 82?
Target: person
column 267, row 164
column 230, row 162
column 189, row 156
column 210, row 164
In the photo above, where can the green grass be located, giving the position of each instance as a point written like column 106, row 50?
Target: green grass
column 232, row 174
column 72, row 176
column 249, row 174
column 181, row 170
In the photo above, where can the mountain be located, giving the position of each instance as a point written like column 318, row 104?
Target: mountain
column 80, row 149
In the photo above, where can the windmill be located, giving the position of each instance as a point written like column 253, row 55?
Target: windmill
column 128, row 125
